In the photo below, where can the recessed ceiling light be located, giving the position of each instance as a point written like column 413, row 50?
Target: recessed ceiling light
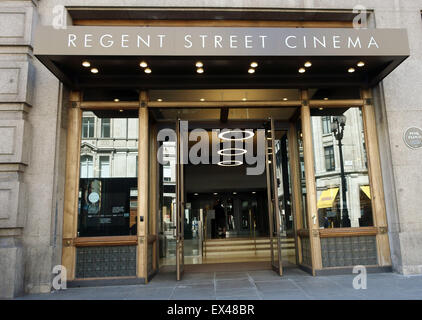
column 253, row 192
column 147, row 70
column 360, row 64
column 202, row 99
column 251, row 70
column 235, row 192
column 159, row 99
column 94, row 70
column 121, row 110
column 86, row 64
column 116, row 100
column 285, row 99
column 200, row 70
column 350, row 70
column 244, row 99
column 199, row 64
column 195, row 194
column 143, row 64
column 321, row 108
column 302, row 70
column 308, row 64
column 215, row 193
column 254, row 64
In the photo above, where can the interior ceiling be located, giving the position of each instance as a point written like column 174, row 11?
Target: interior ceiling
column 215, row 114
column 224, row 95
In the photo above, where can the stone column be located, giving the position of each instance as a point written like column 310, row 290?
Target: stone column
column 16, row 74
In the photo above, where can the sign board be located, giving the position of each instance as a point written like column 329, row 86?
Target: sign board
column 219, row 41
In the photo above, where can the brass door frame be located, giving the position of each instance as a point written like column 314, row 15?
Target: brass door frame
column 273, row 202
column 180, row 205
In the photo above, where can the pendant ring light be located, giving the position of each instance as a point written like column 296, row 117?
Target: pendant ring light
column 230, row 163
column 238, row 152
column 223, row 135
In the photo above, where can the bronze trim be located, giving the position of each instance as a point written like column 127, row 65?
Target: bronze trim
column 105, row 241
column 303, row 233
column 348, row 232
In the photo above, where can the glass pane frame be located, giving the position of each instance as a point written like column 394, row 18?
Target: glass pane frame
column 358, row 122
column 119, row 182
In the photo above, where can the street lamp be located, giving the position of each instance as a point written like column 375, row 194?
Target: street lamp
column 337, row 128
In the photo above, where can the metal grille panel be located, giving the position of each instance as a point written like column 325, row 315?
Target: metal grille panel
column 105, row 261
column 349, row 251
column 306, row 251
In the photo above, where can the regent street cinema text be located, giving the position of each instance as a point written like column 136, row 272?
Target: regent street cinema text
column 204, row 41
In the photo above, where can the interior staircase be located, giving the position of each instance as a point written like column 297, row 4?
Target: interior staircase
column 246, row 247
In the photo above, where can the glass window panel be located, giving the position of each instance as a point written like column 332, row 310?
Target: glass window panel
column 167, row 201
column 88, row 127
column 87, row 168
column 105, row 128
column 341, row 172
column 302, row 174
column 108, row 178
column 104, row 166
column 329, row 158
column 326, row 122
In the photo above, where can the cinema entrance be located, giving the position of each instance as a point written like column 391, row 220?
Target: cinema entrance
column 218, row 204
column 182, row 157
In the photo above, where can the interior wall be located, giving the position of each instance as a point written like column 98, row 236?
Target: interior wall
column 212, row 177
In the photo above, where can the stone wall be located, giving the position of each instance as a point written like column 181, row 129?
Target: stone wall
column 16, row 100
column 31, row 157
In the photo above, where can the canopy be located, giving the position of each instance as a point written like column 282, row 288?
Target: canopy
column 326, row 200
column 366, row 190
column 226, row 53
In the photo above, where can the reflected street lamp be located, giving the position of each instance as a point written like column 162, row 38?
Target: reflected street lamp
column 337, row 128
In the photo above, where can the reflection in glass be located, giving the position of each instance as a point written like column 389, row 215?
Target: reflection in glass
column 341, row 172
column 167, row 201
column 302, row 174
column 108, row 175
column 88, row 127
column 283, row 191
column 105, row 128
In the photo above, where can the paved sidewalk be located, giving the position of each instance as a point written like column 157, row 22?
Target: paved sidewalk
column 251, row 285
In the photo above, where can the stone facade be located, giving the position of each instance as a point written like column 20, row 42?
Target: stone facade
column 33, row 136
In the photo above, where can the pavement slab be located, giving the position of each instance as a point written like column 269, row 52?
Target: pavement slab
column 250, row 285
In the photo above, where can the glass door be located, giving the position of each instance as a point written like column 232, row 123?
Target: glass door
column 180, row 203
column 273, row 184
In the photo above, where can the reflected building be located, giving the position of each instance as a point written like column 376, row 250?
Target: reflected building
column 328, row 170
column 108, row 175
